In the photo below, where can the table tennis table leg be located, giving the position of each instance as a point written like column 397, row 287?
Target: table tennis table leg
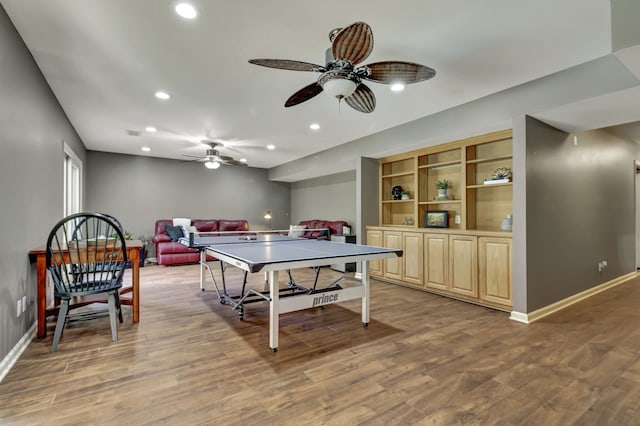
column 365, row 296
column 274, row 311
column 203, row 260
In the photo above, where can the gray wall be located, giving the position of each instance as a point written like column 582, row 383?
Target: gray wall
column 368, row 204
column 139, row 190
column 580, row 210
column 330, row 197
column 32, row 128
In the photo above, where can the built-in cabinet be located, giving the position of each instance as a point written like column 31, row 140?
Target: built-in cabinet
column 470, row 259
column 494, row 261
column 463, row 265
column 374, row 238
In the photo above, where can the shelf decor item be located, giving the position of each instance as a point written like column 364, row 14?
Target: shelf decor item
column 500, row 175
column 443, row 187
column 405, row 195
column 436, row 219
column 396, row 192
column 507, row 223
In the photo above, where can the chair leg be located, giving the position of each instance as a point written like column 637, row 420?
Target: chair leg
column 62, row 318
column 112, row 316
column 119, row 306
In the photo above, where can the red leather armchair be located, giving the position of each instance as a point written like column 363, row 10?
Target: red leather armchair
column 174, row 253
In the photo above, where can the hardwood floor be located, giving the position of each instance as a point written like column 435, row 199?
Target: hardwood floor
column 424, row 359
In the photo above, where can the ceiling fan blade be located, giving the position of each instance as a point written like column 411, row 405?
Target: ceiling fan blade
column 285, row 64
column 233, row 162
column 303, row 94
column 362, row 99
column 399, row 72
column 353, row 43
column 194, row 156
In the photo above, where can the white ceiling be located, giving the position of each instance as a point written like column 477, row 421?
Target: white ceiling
column 105, row 59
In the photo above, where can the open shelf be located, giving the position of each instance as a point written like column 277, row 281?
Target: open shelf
column 464, row 164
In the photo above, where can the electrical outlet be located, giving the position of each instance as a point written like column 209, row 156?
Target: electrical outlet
column 19, row 308
column 24, row 303
column 602, row 264
column 457, row 219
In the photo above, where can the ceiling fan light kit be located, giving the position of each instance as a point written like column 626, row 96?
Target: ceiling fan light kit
column 340, row 77
column 213, row 160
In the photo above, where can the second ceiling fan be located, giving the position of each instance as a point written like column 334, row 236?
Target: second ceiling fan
column 342, row 78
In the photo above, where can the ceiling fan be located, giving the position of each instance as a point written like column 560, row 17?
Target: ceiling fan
column 342, row 78
column 213, row 159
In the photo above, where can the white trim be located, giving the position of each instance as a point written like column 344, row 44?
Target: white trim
column 18, row 349
column 571, row 300
column 519, row 317
column 75, row 160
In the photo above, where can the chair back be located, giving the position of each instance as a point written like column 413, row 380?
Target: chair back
column 86, row 254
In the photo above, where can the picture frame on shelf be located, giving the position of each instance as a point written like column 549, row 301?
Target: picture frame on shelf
column 436, row 219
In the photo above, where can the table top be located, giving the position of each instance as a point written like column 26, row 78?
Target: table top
column 131, row 244
column 276, row 252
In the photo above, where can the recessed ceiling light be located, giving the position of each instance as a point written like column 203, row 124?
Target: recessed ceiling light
column 397, row 87
column 162, row 95
column 186, row 10
column 146, row 149
column 271, row 147
column 151, row 129
column 243, row 160
column 314, row 126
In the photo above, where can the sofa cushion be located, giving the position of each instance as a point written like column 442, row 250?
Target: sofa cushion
column 161, row 238
column 233, row 225
column 205, row 225
column 161, row 223
column 174, row 232
column 335, row 226
column 310, row 224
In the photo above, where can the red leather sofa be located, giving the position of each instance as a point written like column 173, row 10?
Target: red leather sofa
column 174, row 253
column 313, row 226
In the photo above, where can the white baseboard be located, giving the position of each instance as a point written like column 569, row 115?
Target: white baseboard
column 528, row 318
column 519, row 317
column 18, row 349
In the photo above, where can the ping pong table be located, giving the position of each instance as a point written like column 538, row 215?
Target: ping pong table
column 274, row 253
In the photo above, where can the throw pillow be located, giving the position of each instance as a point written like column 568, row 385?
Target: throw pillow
column 174, row 232
column 186, row 230
column 323, row 234
column 181, row 221
column 296, row 230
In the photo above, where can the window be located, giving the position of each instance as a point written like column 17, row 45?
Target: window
column 72, row 182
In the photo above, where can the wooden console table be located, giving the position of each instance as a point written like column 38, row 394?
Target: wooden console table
column 133, row 256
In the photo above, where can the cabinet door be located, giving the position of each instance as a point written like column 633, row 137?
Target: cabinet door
column 393, row 267
column 463, row 261
column 412, row 255
column 436, row 261
column 494, row 257
column 374, row 238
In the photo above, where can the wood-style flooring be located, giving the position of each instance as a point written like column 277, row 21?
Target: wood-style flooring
column 424, row 359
